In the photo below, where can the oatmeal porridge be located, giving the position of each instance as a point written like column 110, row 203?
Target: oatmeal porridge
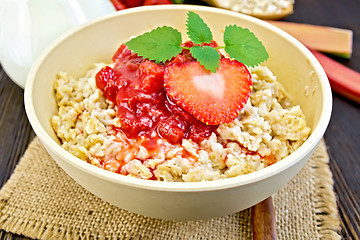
column 131, row 127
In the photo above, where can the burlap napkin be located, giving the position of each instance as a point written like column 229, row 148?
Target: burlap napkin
column 41, row 201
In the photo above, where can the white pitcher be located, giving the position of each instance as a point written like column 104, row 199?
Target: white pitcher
column 28, row 26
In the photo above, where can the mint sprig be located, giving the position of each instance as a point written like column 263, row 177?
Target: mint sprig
column 206, row 56
column 164, row 43
column 160, row 45
column 244, row 46
column 197, row 30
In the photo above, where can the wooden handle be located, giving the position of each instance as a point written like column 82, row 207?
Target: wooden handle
column 263, row 220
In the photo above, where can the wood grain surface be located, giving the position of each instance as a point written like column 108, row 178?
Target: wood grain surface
column 263, row 220
column 342, row 136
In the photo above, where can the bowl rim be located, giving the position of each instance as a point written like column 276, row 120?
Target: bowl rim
column 307, row 147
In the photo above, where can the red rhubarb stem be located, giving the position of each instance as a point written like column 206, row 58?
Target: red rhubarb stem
column 343, row 80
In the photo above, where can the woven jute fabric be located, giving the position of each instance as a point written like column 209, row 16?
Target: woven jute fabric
column 40, row 201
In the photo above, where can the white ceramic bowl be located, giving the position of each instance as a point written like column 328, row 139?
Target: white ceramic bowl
column 75, row 52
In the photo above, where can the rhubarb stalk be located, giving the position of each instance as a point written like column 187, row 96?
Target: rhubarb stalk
column 343, row 80
column 331, row 40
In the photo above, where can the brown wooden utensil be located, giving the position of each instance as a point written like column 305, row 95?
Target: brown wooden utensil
column 263, row 220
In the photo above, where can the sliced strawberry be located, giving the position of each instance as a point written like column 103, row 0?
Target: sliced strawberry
column 151, row 77
column 108, row 80
column 171, row 129
column 213, row 98
column 132, row 3
column 156, row 2
column 179, row 59
column 118, row 4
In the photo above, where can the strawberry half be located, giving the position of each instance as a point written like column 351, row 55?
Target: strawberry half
column 213, row 98
column 156, row 2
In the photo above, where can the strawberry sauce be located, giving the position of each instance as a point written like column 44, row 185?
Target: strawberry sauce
column 136, row 86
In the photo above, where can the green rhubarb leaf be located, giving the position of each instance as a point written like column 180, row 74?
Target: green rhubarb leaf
column 160, row 45
column 206, row 56
column 197, row 29
column 244, row 46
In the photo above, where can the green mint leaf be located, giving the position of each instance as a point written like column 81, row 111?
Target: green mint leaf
column 178, row 1
column 160, row 45
column 197, row 29
column 244, row 46
column 206, row 56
